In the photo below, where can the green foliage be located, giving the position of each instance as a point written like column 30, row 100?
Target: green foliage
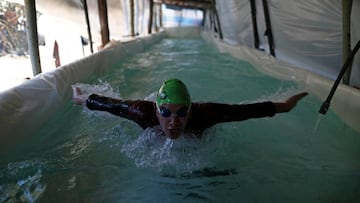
column 12, row 29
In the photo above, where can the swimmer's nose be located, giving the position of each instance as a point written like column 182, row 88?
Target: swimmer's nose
column 174, row 119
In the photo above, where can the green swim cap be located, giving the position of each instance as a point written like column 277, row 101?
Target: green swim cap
column 173, row 91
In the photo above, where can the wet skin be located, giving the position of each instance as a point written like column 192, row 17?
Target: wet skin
column 173, row 125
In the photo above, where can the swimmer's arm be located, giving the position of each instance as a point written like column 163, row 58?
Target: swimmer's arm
column 97, row 102
column 289, row 104
column 219, row 113
column 141, row 112
column 114, row 106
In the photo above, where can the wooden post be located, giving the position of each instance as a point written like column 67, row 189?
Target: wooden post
column 151, row 9
column 88, row 24
column 268, row 31
column 254, row 23
column 104, row 27
column 32, row 35
column 346, row 10
column 132, row 21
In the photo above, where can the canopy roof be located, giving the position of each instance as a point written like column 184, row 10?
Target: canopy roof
column 192, row 4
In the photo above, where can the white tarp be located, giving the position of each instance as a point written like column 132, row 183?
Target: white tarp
column 346, row 100
column 307, row 34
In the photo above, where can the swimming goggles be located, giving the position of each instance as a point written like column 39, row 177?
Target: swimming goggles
column 164, row 112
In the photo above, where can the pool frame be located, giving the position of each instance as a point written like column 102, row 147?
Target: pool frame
column 24, row 108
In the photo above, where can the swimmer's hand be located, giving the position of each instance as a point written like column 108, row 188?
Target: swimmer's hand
column 290, row 103
column 78, row 97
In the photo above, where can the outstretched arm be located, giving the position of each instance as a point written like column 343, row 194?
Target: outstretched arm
column 96, row 102
column 142, row 112
column 289, row 104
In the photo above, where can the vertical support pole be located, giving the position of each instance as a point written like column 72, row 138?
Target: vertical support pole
column 254, row 23
column 88, row 24
column 204, row 17
column 211, row 18
column 151, row 9
column 181, row 17
column 268, row 31
column 346, row 10
column 32, row 35
column 132, row 18
column 213, row 5
column 103, row 17
column 155, row 19
column 160, row 16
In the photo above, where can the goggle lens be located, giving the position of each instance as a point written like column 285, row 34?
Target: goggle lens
column 182, row 112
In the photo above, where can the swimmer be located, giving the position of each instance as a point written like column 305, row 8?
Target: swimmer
column 174, row 112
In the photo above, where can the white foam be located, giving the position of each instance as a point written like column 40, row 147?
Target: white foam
column 152, row 149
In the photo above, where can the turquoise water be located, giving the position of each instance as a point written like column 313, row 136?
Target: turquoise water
column 89, row 156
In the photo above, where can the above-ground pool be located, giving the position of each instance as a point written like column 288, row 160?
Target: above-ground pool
column 88, row 156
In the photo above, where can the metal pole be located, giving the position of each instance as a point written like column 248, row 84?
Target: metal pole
column 204, row 17
column 88, row 24
column 151, row 7
column 254, row 22
column 132, row 21
column 211, row 19
column 213, row 5
column 155, row 15
column 346, row 9
column 268, row 27
column 32, row 35
column 160, row 15
column 325, row 106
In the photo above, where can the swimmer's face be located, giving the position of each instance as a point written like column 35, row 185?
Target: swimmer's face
column 173, row 119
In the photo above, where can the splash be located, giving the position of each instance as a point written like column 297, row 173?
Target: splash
column 152, row 149
column 25, row 190
column 317, row 124
column 102, row 88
